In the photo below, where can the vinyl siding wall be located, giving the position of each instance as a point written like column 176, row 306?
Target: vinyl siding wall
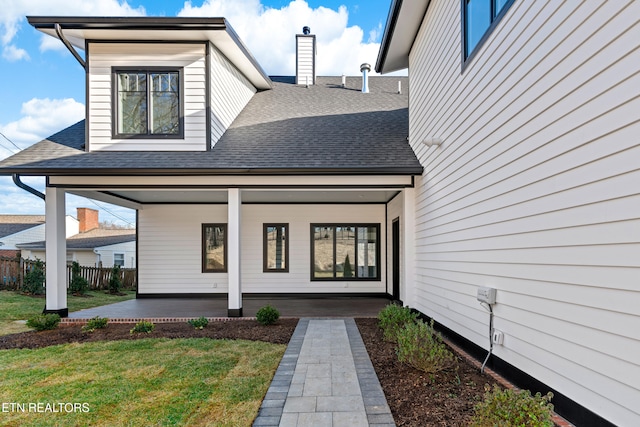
column 128, row 249
column 170, row 248
column 33, row 234
column 305, row 59
column 103, row 56
column 230, row 92
column 534, row 191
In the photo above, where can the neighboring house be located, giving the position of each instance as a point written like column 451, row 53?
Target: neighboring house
column 92, row 246
column 17, row 229
column 242, row 183
column 533, row 190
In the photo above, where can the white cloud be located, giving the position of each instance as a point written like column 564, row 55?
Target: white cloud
column 269, row 34
column 376, row 33
column 12, row 53
column 14, row 12
column 51, row 43
column 40, row 119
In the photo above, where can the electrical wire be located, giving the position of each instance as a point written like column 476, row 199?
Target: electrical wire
column 12, row 143
column 111, row 212
column 490, row 336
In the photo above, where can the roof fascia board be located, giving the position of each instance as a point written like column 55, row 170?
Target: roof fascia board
column 403, row 23
column 31, row 171
column 140, row 182
column 249, row 66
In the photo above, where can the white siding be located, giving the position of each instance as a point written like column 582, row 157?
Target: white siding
column 36, row 234
column 128, row 249
column 170, row 248
column 103, row 56
column 84, row 258
column 305, row 60
column 33, row 234
column 230, row 92
column 534, row 191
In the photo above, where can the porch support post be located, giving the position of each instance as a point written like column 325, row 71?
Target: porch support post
column 233, row 251
column 409, row 247
column 56, row 252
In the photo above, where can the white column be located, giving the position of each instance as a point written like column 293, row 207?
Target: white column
column 233, row 252
column 409, row 248
column 56, row 252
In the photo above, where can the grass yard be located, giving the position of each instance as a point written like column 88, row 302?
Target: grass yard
column 196, row 382
column 15, row 306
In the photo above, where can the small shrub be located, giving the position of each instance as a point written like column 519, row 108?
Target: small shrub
column 420, row 346
column 78, row 285
column 34, row 279
column 44, row 322
column 143, row 327
column 267, row 315
column 95, row 323
column 115, row 282
column 513, row 408
column 394, row 317
column 199, row 323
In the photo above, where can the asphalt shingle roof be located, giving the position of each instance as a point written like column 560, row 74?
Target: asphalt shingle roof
column 324, row 128
column 90, row 239
column 11, row 224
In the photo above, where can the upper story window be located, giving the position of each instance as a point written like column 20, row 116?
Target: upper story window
column 148, row 103
column 479, row 17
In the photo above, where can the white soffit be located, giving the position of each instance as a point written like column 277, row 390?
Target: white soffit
column 224, row 39
column 403, row 23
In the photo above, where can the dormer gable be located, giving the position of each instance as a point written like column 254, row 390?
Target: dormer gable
column 158, row 84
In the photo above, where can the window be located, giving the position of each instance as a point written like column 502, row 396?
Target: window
column 479, row 18
column 148, row 103
column 214, row 248
column 118, row 259
column 345, row 252
column 276, row 248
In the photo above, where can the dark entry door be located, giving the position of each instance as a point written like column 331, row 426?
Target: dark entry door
column 395, row 256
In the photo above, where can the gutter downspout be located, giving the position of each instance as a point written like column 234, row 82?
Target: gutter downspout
column 25, row 187
column 68, row 45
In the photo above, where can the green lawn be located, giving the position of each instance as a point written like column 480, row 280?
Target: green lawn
column 15, row 306
column 160, row 382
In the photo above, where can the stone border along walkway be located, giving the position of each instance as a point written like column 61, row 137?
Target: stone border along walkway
column 325, row 378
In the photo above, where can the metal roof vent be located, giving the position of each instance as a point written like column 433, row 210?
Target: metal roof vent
column 365, row 68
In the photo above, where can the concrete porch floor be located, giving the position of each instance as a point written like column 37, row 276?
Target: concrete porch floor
column 157, row 308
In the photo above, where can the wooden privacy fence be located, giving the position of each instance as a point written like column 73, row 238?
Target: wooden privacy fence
column 13, row 270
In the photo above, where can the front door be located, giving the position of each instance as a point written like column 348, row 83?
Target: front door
column 395, row 256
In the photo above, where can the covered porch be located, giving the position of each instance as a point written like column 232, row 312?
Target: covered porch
column 184, row 308
column 175, row 215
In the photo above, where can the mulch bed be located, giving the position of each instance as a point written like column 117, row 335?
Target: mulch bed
column 416, row 399
column 279, row 333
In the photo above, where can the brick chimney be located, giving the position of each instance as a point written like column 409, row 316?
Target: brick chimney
column 88, row 219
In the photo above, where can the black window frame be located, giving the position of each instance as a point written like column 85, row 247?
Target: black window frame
column 265, row 264
column 355, row 277
column 203, row 251
column 114, row 102
column 496, row 17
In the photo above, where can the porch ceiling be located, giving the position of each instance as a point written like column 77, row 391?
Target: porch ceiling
column 193, row 196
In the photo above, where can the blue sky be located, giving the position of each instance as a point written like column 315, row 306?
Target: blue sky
column 42, row 85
